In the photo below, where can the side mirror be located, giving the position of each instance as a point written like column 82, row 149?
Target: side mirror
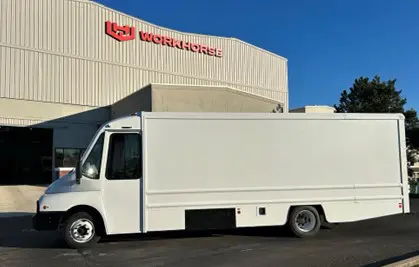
column 78, row 172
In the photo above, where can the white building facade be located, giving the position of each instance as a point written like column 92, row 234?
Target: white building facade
column 64, row 63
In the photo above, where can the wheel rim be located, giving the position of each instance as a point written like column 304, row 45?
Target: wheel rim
column 82, row 230
column 305, row 221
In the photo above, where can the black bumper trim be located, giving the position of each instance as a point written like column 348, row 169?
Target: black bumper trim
column 46, row 221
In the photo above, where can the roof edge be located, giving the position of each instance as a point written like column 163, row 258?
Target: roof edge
column 285, row 116
column 93, row 2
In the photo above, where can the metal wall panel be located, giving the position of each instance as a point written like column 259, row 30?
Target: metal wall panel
column 57, row 51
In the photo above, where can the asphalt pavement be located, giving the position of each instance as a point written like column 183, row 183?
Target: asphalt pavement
column 369, row 243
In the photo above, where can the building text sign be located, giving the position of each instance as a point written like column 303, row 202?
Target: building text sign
column 127, row 33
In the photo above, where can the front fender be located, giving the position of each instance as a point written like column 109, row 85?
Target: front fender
column 62, row 202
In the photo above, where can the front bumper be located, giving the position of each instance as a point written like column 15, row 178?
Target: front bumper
column 46, row 221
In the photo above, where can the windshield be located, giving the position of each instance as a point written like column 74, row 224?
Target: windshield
column 91, row 166
column 99, row 131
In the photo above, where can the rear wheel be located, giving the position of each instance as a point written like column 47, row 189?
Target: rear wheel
column 304, row 221
column 80, row 231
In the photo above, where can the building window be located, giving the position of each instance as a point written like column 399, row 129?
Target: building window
column 67, row 157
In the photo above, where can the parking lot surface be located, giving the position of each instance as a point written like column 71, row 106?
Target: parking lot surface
column 369, row 243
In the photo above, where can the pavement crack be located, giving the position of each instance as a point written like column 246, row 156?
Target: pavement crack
column 85, row 256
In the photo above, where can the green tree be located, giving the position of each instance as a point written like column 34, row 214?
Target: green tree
column 377, row 96
column 412, row 134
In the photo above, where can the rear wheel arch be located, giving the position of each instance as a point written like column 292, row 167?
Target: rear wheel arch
column 318, row 207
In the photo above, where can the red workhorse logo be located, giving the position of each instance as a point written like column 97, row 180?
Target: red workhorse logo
column 120, row 33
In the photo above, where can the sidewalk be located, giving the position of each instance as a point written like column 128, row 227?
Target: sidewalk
column 19, row 199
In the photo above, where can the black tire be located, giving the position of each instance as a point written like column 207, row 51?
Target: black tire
column 71, row 239
column 312, row 225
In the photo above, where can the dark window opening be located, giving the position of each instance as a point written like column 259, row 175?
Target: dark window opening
column 124, row 157
column 67, row 157
column 26, row 156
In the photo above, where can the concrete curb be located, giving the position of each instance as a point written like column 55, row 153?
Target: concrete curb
column 414, row 261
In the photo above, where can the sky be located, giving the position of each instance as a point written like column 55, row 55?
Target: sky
column 328, row 43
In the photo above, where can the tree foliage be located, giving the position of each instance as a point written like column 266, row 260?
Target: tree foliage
column 373, row 96
column 377, row 96
column 412, row 128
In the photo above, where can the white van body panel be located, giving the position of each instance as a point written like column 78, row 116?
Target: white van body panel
column 350, row 164
column 66, row 201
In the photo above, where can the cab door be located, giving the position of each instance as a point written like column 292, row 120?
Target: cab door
column 121, row 180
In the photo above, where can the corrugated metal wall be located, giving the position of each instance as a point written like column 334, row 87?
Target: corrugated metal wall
column 57, row 51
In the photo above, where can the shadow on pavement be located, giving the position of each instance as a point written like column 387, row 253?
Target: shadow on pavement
column 393, row 259
column 261, row 231
column 16, row 232
column 268, row 231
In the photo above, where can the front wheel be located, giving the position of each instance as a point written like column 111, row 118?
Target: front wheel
column 304, row 221
column 79, row 231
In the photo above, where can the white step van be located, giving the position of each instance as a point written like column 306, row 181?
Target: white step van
column 164, row 171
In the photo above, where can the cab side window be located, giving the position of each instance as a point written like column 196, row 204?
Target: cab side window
column 124, row 157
